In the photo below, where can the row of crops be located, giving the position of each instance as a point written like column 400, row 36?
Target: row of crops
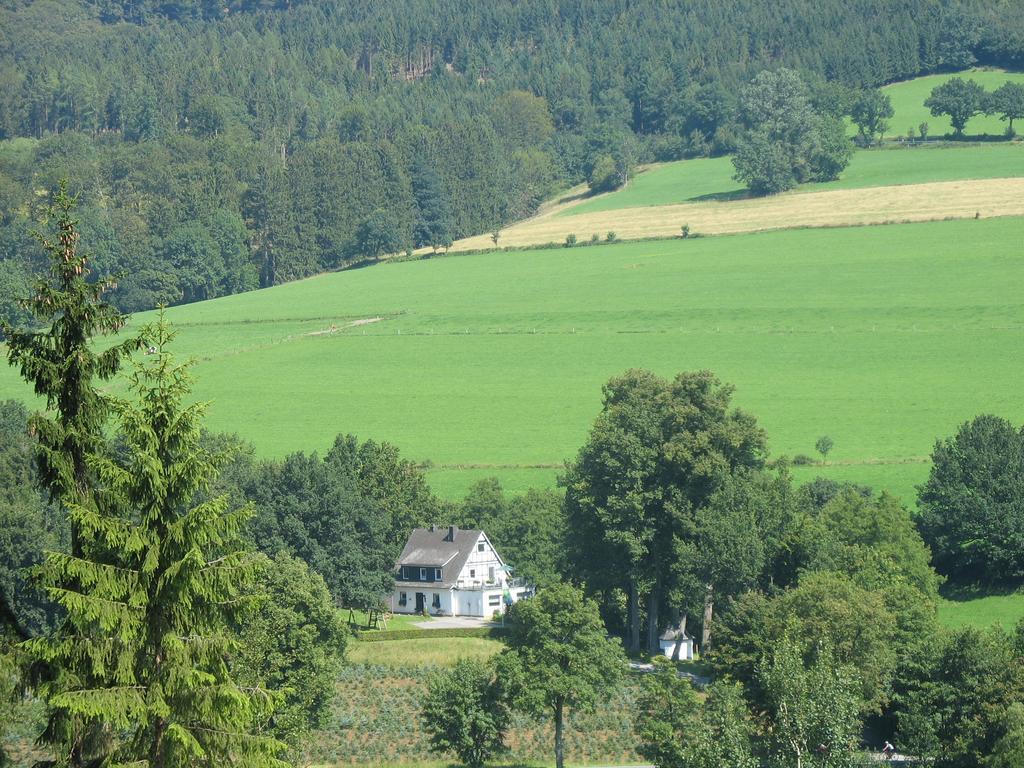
column 375, row 719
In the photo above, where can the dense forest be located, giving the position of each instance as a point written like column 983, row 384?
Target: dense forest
column 220, row 147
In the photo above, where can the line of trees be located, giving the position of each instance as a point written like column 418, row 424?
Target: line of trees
column 961, row 100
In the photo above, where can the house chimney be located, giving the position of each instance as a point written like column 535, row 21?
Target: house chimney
column 451, row 532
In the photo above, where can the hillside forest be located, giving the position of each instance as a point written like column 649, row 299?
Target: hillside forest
column 216, row 148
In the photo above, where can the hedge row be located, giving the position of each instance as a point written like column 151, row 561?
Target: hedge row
column 375, row 636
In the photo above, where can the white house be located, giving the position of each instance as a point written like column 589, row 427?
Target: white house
column 450, row 572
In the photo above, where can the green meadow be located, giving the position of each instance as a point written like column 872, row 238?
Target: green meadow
column 883, row 338
column 983, row 611
column 908, row 99
column 711, row 178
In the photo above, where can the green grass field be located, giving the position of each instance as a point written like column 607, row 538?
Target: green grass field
column 711, row 178
column 908, row 99
column 883, row 338
column 1004, row 610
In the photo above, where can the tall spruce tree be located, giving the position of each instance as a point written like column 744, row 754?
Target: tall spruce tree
column 60, row 363
column 62, row 367
column 153, row 598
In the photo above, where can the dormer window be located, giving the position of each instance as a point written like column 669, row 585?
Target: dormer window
column 405, row 573
column 423, row 574
column 437, row 574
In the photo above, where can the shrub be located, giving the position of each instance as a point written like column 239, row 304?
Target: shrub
column 570, row 240
column 611, row 237
column 802, row 460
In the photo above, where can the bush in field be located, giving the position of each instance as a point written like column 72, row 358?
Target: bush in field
column 464, row 712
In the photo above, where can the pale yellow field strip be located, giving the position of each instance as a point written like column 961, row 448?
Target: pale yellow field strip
column 841, row 207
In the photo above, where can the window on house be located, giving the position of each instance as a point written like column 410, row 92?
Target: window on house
column 480, row 547
column 437, row 600
column 437, row 574
column 405, row 572
column 423, row 574
column 490, row 573
column 403, row 599
column 494, row 599
column 472, row 573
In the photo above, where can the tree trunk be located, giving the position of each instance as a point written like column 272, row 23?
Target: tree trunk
column 559, row 756
column 652, row 616
column 679, row 639
column 634, row 617
column 705, row 634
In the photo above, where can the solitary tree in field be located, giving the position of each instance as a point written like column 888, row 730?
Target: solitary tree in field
column 870, row 112
column 465, row 712
column 960, row 99
column 1008, row 102
column 823, row 446
column 152, row 598
column 970, row 507
column 785, row 141
column 559, row 657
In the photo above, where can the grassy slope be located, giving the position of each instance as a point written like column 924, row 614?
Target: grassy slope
column 881, row 337
column 1005, row 610
column 908, row 104
column 710, row 178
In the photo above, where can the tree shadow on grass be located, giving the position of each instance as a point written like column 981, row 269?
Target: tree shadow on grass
column 732, row 194
column 962, row 593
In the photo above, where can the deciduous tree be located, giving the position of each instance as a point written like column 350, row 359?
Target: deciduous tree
column 960, row 99
column 972, row 506
column 465, row 712
column 559, row 657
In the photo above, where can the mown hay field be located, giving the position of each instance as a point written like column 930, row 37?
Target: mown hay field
column 970, row 198
column 884, row 338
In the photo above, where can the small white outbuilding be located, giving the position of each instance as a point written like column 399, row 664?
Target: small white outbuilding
column 672, row 638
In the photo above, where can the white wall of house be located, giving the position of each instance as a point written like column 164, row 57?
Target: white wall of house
column 444, row 596
column 483, row 564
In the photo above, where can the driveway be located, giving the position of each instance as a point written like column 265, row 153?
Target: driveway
column 456, row 622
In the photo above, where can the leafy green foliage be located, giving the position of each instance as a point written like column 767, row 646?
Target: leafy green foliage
column 812, row 707
column 464, row 712
column 1008, row 102
column 870, row 112
column 528, row 530
column 723, row 737
column 28, row 527
column 955, row 704
column 151, row 599
column 346, row 515
column 971, row 505
column 655, row 454
column 666, row 716
column 786, row 141
column 558, row 657
column 294, row 643
column 959, row 99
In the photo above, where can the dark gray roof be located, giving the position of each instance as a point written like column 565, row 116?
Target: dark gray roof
column 431, row 548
